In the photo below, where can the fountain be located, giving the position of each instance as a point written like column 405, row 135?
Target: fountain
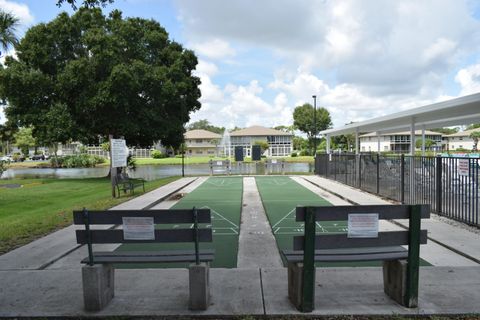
column 226, row 144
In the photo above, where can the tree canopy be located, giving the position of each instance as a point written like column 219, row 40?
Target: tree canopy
column 445, row 130
column 8, row 26
column 204, row 124
column 94, row 75
column 303, row 119
column 85, row 3
column 475, row 136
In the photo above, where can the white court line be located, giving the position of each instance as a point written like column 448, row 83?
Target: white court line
column 283, row 218
column 206, row 207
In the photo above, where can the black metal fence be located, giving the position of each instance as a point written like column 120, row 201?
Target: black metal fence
column 448, row 184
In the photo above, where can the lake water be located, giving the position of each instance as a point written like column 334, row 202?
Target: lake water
column 149, row 172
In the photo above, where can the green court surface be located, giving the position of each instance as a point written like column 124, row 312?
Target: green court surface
column 280, row 197
column 223, row 196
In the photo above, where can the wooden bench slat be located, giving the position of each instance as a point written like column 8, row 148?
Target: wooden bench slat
column 153, row 253
column 161, row 236
column 340, row 213
column 339, row 241
column 148, row 259
column 347, row 251
column 351, row 257
column 159, row 216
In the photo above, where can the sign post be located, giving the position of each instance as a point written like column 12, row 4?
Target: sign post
column 118, row 158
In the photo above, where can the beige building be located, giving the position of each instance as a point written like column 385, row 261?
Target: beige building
column 396, row 142
column 201, row 143
column 459, row 140
column 279, row 142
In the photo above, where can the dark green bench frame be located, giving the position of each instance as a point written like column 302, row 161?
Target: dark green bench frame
column 90, row 236
column 387, row 247
column 125, row 183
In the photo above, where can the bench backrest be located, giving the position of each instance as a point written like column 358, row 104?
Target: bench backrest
column 122, row 177
column 310, row 215
column 194, row 216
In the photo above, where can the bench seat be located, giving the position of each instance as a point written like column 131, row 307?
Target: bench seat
column 350, row 254
column 206, row 255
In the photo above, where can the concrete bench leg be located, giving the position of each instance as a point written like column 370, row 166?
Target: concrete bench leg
column 395, row 281
column 295, row 284
column 98, row 286
column 199, row 286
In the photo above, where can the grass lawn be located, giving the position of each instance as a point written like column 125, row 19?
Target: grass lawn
column 41, row 206
column 199, row 160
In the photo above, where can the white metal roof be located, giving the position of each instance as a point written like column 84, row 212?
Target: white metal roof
column 459, row 111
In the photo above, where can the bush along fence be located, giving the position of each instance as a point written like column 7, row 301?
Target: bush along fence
column 448, row 184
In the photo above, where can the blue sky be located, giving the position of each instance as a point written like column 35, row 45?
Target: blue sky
column 258, row 60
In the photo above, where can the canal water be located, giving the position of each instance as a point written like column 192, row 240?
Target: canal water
column 151, row 172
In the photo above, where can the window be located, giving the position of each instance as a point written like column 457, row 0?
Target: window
column 198, row 140
column 199, row 152
column 385, row 148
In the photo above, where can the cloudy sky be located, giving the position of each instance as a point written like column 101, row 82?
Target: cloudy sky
column 363, row 59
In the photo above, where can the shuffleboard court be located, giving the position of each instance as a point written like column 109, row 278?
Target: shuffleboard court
column 280, row 197
column 223, row 196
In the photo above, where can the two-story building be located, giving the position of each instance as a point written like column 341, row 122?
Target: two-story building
column 201, row 143
column 459, row 141
column 396, row 142
column 279, row 142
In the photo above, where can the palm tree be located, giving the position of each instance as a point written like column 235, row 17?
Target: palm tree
column 475, row 135
column 8, row 25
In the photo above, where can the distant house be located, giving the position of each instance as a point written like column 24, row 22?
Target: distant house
column 279, row 142
column 396, row 142
column 459, row 140
column 201, row 143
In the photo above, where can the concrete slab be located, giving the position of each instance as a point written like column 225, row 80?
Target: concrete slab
column 359, row 291
column 138, row 292
column 333, row 199
column 257, row 247
column 167, row 204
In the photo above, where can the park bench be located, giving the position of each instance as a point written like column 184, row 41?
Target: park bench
column 138, row 226
column 125, row 183
column 400, row 265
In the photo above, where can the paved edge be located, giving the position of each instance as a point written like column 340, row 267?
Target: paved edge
column 257, row 247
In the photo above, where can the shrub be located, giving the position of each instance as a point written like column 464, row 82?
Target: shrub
column 78, row 161
column 157, row 154
column 294, row 154
column 304, row 152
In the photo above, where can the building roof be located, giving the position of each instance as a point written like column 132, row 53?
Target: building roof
column 459, row 111
column 404, row 133
column 465, row 133
column 201, row 134
column 258, row 131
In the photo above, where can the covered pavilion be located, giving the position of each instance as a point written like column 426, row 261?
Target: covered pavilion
column 458, row 111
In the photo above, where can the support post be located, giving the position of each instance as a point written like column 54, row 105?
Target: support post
column 308, row 301
column 438, row 184
column 378, row 173
column 423, row 140
column 113, row 171
column 402, row 178
column 411, row 295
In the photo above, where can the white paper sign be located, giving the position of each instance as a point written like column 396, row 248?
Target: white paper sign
column 463, row 167
column 219, row 163
column 119, row 153
column 274, row 161
column 363, row 225
column 138, row 228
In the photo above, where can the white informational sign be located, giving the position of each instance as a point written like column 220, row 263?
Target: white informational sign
column 274, row 161
column 463, row 167
column 363, row 225
column 119, row 153
column 138, row 228
column 219, row 163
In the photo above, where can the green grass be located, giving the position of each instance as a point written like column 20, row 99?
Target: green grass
column 200, row 160
column 41, row 206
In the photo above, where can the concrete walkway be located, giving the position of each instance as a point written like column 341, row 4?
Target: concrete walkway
column 256, row 245
column 44, row 278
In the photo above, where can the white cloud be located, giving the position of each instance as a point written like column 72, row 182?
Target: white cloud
column 206, row 68
column 20, row 10
column 469, row 79
column 213, row 49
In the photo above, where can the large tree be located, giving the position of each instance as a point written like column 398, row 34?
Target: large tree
column 204, row 124
column 475, row 135
column 304, row 120
column 8, row 26
column 101, row 75
column 85, row 3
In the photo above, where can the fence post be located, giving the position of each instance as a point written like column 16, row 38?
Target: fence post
column 402, row 178
column 359, row 171
column 378, row 173
column 438, row 184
